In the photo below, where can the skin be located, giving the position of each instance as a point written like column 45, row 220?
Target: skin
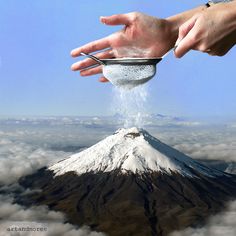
column 142, row 36
column 212, row 31
column 127, row 41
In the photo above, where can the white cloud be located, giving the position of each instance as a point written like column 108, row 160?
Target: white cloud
column 51, row 222
column 18, row 159
column 218, row 151
column 26, row 148
column 221, row 224
column 206, row 143
column 231, row 168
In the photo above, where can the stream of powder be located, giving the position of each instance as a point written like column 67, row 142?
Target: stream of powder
column 131, row 105
column 130, row 99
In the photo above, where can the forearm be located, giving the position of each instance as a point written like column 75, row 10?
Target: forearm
column 225, row 13
column 230, row 12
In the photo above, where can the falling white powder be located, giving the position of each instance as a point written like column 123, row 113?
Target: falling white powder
column 131, row 105
column 130, row 95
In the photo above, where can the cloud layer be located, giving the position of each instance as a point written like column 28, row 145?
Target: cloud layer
column 218, row 225
column 206, row 143
column 15, row 217
column 18, row 159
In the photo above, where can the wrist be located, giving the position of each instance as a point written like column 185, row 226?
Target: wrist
column 231, row 7
column 227, row 11
column 177, row 20
column 213, row 2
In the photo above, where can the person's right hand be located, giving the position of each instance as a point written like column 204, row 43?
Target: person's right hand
column 212, row 31
column 142, row 36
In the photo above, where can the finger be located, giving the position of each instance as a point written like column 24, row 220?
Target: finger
column 103, row 80
column 185, row 45
column 89, row 62
column 186, row 40
column 185, row 28
column 91, row 71
column 119, row 19
column 91, row 47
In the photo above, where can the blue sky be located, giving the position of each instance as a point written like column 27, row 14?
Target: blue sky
column 36, row 38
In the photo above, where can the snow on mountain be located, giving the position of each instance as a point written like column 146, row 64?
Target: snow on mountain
column 132, row 150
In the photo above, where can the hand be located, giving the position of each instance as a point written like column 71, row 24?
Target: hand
column 212, row 31
column 142, row 36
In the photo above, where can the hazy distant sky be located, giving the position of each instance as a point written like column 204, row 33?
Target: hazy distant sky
column 36, row 38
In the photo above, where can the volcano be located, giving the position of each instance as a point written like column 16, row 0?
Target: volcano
column 131, row 183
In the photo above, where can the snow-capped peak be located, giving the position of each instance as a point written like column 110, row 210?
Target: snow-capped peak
column 131, row 150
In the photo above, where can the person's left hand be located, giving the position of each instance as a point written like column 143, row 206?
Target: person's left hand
column 212, row 31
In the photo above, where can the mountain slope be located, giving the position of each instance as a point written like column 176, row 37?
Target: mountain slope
column 131, row 150
column 131, row 184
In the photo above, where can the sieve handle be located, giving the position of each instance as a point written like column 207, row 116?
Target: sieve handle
column 176, row 45
column 93, row 57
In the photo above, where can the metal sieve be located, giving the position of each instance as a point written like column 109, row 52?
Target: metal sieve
column 127, row 72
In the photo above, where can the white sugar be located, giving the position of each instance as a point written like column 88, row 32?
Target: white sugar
column 131, row 105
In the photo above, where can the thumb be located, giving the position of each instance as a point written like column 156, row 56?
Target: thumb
column 119, row 19
column 184, row 43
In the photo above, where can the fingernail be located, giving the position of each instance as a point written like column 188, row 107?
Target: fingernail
column 72, row 53
column 177, row 42
column 75, row 67
column 83, row 73
column 102, row 19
